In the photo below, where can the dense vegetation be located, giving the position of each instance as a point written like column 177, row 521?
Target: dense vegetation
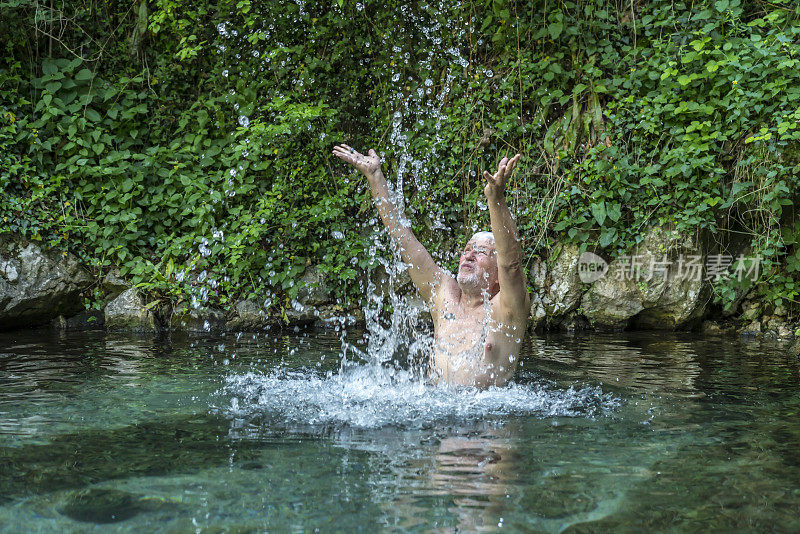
column 188, row 143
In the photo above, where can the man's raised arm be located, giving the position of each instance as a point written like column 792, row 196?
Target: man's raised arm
column 424, row 272
column 513, row 287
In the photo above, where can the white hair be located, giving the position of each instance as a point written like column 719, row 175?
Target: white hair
column 483, row 235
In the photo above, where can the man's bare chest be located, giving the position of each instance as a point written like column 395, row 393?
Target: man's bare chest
column 475, row 331
column 460, row 329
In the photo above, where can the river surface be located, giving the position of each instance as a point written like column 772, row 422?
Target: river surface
column 630, row 432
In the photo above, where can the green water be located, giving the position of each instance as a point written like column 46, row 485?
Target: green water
column 635, row 432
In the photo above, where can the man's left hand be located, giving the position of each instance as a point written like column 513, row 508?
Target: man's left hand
column 496, row 184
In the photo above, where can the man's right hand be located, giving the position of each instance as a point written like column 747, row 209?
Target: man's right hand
column 368, row 164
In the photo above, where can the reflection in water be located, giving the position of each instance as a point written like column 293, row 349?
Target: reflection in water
column 475, row 471
column 638, row 363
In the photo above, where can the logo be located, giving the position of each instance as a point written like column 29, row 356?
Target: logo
column 591, row 267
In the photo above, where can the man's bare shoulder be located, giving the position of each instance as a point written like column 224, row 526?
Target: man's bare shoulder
column 512, row 305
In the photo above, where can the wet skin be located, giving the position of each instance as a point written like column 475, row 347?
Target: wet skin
column 480, row 316
column 475, row 345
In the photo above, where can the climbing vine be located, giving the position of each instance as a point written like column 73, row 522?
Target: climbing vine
column 188, row 145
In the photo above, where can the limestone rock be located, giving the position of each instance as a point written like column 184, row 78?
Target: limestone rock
column 741, row 294
column 574, row 322
column 751, row 312
column 752, row 329
column 314, row 290
column 774, row 322
column 682, row 302
column 659, row 285
column 127, row 312
column 301, row 315
column 795, row 348
column 248, row 315
column 711, row 328
column 334, row 315
column 557, row 286
column 37, row 286
column 389, row 277
column 774, row 326
column 114, row 285
column 611, row 302
column 538, row 315
column 196, row 320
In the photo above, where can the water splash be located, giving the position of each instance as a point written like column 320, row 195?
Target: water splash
column 374, row 396
column 384, row 383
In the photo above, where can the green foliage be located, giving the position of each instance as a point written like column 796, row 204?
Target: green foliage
column 189, row 144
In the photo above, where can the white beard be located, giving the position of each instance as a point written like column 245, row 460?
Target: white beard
column 468, row 280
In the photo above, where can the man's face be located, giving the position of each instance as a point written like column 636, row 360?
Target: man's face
column 477, row 267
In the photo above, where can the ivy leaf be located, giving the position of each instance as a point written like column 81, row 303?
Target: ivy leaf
column 599, row 212
column 738, row 187
column 614, row 211
column 92, row 115
column 555, row 30
column 83, row 75
column 607, row 236
column 49, row 67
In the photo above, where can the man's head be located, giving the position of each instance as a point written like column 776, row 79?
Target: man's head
column 477, row 268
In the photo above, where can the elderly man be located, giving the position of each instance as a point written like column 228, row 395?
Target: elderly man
column 481, row 315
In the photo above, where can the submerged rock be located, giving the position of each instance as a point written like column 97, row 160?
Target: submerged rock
column 104, row 506
column 715, row 328
column 128, row 312
column 101, row 506
column 85, row 320
column 37, row 286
